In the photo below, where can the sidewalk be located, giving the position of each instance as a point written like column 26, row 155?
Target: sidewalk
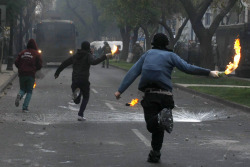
column 225, row 86
column 6, row 77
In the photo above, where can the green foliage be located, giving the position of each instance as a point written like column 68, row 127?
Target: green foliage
column 237, row 95
column 170, row 7
column 128, row 12
column 121, row 64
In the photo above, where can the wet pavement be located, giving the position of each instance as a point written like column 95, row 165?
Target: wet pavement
column 206, row 133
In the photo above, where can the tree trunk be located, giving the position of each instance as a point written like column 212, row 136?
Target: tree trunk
column 206, row 54
column 10, row 56
column 149, row 34
column 135, row 36
column 125, row 33
column 148, row 42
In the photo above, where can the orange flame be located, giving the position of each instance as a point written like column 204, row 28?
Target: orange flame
column 134, row 102
column 232, row 66
column 34, row 86
column 114, row 50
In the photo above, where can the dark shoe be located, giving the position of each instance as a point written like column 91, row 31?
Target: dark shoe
column 165, row 119
column 18, row 98
column 80, row 118
column 154, row 156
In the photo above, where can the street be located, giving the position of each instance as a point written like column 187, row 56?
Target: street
column 206, row 133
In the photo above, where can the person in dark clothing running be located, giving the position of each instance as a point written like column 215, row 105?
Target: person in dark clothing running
column 28, row 62
column 155, row 67
column 106, row 49
column 80, row 76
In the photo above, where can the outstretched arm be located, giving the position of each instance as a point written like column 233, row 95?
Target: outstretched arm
column 94, row 61
column 192, row 69
column 129, row 78
column 64, row 64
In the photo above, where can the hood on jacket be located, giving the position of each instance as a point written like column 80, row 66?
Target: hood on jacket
column 32, row 44
column 85, row 46
column 81, row 53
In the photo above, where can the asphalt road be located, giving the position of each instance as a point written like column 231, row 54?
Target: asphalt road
column 206, row 133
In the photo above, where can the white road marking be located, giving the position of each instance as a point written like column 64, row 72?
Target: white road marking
column 143, row 138
column 95, row 91
column 110, row 106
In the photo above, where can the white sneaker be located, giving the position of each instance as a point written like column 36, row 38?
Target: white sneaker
column 26, row 111
column 81, row 118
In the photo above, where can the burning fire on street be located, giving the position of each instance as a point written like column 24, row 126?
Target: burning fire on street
column 133, row 102
column 34, row 86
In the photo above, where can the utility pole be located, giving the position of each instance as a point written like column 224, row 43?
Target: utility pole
column 10, row 56
column 2, row 24
column 21, row 31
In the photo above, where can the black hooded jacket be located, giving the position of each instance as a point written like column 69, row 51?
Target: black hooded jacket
column 81, row 61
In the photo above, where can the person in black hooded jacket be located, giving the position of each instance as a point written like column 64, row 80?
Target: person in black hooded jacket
column 80, row 86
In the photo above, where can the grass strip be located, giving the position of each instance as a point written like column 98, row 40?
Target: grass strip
column 237, row 95
column 121, row 64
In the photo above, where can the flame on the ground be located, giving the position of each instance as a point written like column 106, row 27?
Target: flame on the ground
column 134, row 102
column 232, row 66
column 114, row 50
column 34, row 86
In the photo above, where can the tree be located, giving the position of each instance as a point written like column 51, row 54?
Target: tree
column 86, row 16
column 13, row 9
column 196, row 12
column 171, row 10
column 120, row 12
column 27, row 18
column 19, row 10
column 146, row 14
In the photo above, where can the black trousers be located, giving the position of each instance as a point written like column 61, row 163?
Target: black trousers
column 84, row 86
column 152, row 104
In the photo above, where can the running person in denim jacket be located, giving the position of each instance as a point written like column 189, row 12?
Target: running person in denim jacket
column 155, row 67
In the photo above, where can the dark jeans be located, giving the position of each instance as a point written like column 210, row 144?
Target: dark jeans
column 84, row 87
column 26, row 87
column 152, row 104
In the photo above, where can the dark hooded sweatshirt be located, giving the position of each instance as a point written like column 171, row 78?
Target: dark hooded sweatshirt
column 29, row 60
column 81, row 61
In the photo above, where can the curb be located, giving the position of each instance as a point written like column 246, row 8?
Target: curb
column 4, row 86
column 214, row 98
column 118, row 67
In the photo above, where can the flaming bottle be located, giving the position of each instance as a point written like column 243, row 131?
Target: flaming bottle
column 232, row 66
